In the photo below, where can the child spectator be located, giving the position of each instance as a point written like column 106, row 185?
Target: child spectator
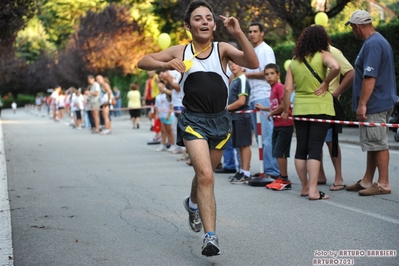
column 282, row 130
column 77, row 107
column 164, row 111
column 61, row 104
column 239, row 92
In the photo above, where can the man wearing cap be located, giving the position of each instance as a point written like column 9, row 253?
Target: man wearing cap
column 373, row 98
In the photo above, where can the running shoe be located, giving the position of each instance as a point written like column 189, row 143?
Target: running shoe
column 280, row 185
column 161, row 148
column 274, row 183
column 237, row 176
column 243, row 180
column 210, row 245
column 194, row 219
column 105, row 132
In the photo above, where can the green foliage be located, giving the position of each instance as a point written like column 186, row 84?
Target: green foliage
column 60, row 17
column 350, row 47
column 13, row 15
column 20, row 100
column 123, row 83
column 32, row 41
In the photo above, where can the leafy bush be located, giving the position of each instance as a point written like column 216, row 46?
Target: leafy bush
column 21, row 100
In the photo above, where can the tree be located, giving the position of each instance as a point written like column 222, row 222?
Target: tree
column 13, row 14
column 32, row 41
column 284, row 20
column 60, row 17
column 300, row 13
column 107, row 41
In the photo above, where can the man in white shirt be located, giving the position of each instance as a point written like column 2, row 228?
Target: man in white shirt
column 260, row 93
column 93, row 94
column 54, row 99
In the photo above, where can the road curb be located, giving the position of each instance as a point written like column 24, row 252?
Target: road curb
column 6, row 250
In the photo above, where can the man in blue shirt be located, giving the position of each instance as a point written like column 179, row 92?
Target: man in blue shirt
column 374, row 88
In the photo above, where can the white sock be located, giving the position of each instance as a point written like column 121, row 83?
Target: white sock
column 246, row 173
column 192, row 205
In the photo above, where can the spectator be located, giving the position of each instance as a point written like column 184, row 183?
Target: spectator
column 231, row 156
column 118, row 99
column 239, row 94
column 105, row 102
column 171, row 79
column 373, row 98
column 77, row 107
column 260, row 93
column 61, row 104
column 282, row 130
column 150, row 91
column 337, row 88
column 310, row 101
column 14, row 107
column 54, row 101
column 164, row 111
column 93, row 107
column 134, row 104
column 38, row 102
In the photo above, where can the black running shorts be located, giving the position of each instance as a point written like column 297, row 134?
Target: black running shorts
column 214, row 128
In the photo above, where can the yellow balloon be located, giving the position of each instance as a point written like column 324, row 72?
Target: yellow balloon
column 287, row 63
column 321, row 18
column 189, row 35
column 164, row 41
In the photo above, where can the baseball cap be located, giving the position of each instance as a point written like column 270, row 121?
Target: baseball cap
column 359, row 17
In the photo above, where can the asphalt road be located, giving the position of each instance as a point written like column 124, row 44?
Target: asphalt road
column 83, row 199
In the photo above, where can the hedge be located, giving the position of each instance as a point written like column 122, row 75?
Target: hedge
column 21, row 100
column 350, row 47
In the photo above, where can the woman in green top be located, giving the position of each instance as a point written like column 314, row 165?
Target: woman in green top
column 310, row 101
column 134, row 104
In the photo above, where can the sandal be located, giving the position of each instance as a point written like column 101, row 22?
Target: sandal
column 335, row 187
column 323, row 196
column 355, row 187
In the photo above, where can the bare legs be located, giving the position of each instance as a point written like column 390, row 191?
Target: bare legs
column 204, row 161
column 336, row 161
column 282, row 164
column 309, row 186
column 135, row 121
column 167, row 133
column 105, row 114
column 377, row 160
column 245, row 156
column 96, row 119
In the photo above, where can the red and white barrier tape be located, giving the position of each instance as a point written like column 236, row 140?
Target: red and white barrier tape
column 358, row 123
column 369, row 124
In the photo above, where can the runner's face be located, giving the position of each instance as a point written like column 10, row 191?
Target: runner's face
column 202, row 23
column 254, row 35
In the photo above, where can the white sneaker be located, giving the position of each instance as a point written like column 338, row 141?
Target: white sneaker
column 105, row 132
column 176, row 150
column 161, row 148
